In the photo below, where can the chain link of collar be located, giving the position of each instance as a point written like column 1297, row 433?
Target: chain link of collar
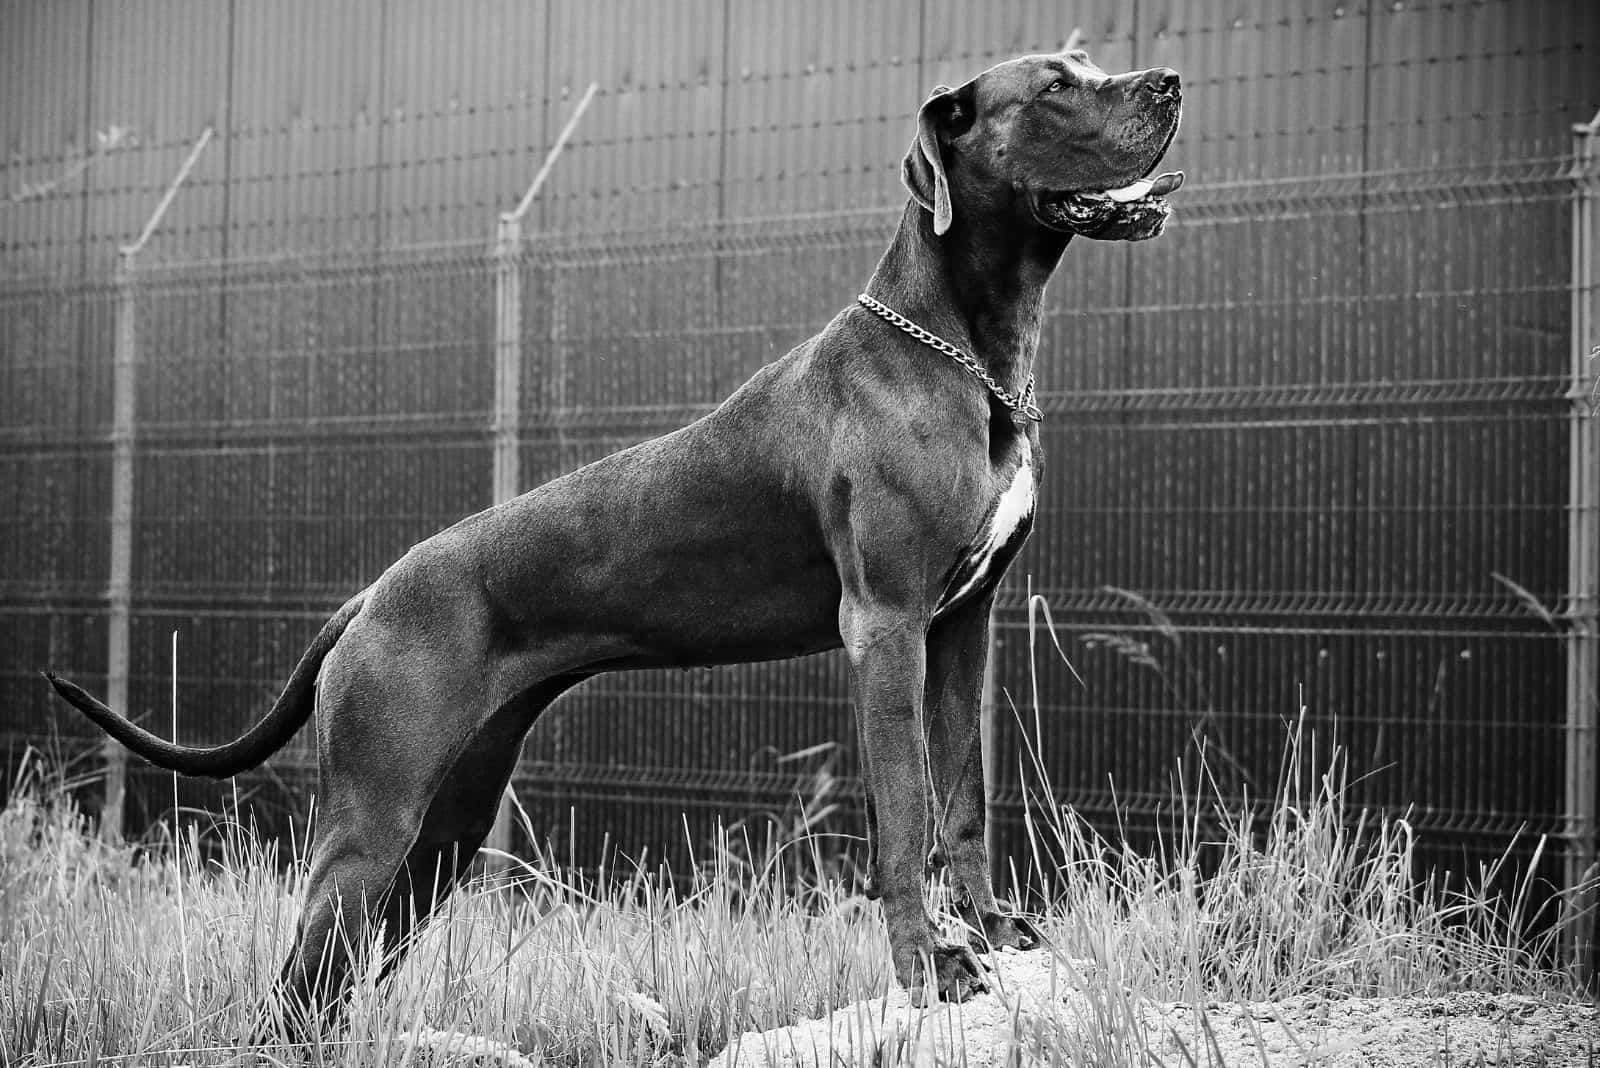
column 1021, row 405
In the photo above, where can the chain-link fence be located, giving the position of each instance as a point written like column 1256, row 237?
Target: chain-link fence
column 1326, row 443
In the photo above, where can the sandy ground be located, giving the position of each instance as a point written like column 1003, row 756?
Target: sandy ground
column 1032, row 1005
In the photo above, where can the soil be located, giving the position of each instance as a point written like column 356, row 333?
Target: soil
column 1015, row 1022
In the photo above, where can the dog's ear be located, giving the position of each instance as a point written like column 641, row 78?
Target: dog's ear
column 945, row 114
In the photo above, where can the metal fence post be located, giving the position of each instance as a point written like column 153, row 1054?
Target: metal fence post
column 119, row 584
column 1582, row 634
column 506, row 481
column 507, row 476
column 124, row 415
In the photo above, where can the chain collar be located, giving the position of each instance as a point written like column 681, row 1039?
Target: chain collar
column 1021, row 405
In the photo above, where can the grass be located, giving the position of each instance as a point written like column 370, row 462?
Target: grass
column 96, row 940
column 151, row 955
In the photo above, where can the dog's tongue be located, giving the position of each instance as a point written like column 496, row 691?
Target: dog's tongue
column 1158, row 186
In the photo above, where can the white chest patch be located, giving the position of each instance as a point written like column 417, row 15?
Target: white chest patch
column 998, row 541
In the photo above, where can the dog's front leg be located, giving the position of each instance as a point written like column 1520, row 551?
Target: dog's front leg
column 887, row 658
column 958, row 651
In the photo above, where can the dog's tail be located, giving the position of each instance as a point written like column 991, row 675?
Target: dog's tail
column 289, row 713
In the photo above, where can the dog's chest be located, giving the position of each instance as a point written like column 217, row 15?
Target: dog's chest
column 991, row 551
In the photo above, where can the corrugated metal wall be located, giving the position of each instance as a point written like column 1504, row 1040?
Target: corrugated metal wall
column 1307, row 424
column 393, row 122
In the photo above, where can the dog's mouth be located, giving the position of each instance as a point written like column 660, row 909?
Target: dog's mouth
column 1133, row 212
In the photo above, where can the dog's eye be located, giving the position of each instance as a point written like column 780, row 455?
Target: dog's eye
column 1054, row 87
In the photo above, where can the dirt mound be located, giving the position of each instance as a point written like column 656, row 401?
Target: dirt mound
column 1037, row 1004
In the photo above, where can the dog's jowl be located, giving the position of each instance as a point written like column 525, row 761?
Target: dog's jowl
column 867, row 490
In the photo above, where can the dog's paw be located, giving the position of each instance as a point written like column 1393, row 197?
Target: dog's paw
column 957, row 973
column 1002, row 932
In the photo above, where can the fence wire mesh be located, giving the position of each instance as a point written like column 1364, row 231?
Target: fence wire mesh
column 1310, row 448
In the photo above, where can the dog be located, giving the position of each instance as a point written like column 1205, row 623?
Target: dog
column 867, row 490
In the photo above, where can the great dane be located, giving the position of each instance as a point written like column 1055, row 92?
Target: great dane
column 867, row 490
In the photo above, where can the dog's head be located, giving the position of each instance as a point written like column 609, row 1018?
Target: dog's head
column 1054, row 141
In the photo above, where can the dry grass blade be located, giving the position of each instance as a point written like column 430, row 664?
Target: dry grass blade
column 1529, row 601
column 1163, row 622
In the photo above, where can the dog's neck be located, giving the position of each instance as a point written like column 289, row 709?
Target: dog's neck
column 977, row 286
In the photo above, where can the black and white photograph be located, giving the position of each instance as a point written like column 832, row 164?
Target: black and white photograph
column 768, row 534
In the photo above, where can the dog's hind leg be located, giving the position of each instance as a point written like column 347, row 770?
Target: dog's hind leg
column 394, row 715
column 461, row 814
column 354, row 862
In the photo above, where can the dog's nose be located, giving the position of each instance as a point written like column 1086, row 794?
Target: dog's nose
column 1162, row 81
